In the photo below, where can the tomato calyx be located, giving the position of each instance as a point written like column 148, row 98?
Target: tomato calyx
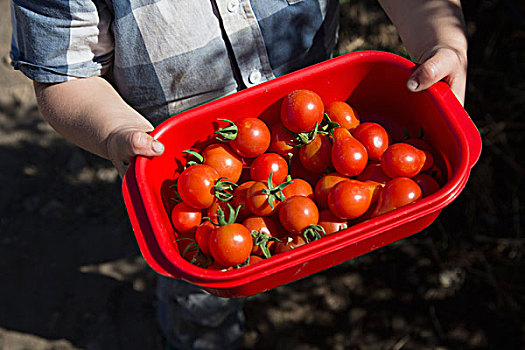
column 261, row 239
column 200, row 158
column 177, row 199
column 223, row 189
column 328, row 126
column 275, row 192
column 227, row 133
column 221, row 216
column 313, row 233
column 199, row 258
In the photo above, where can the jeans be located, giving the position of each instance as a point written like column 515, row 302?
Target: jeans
column 191, row 318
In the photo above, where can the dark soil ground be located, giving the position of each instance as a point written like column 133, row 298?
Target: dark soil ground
column 71, row 274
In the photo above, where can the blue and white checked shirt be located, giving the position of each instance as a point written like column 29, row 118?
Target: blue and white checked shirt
column 164, row 56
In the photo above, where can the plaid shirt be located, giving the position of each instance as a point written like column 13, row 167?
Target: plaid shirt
column 164, row 56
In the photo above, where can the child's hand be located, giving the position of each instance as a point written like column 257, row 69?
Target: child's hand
column 441, row 63
column 124, row 144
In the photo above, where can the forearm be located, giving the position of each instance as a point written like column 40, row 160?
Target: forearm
column 425, row 25
column 87, row 112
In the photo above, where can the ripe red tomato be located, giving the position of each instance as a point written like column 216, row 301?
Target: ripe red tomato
column 266, row 164
column 202, row 236
column 288, row 243
column 239, row 199
column 298, row 187
column 397, row 193
column 230, row 244
column 373, row 172
column 349, row 156
column 330, row 222
column 263, row 224
column 374, row 137
column 301, row 110
column 297, row 213
column 185, row 218
column 349, row 199
column 196, row 185
column 425, row 147
column 257, row 200
column 282, row 141
column 343, row 114
column 316, row 155
column 222, row 158
column 427, row 183
column 323, row 187
column 251, row 138
column 402, row 160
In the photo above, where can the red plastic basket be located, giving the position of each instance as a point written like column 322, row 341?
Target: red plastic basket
column 374, row 83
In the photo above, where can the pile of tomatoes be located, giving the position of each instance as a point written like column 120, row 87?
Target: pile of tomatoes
column 259, row 190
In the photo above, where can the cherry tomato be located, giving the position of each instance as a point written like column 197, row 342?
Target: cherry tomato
column 373, row 172
column 330, row 222
column 427, row 183
column 323, row 187
column 196, row 185
column 301, row 110
column 262, row 224
column 254, row 259
column 202, row 236
column 397, row 193
column 239, row 199
column 343, row 114
column 349, row 156
column 402, row 160
column 288, row 243
column 282, row 141
column 349, row 199
column 258, row 201
column 315, row 156
column 185, row 218
column 425, row 147
column 298, row 187
column 267, row 163
column 297, row 213
column 374, row 137
column 252, row 137
column 222, row 158
column 230, row 244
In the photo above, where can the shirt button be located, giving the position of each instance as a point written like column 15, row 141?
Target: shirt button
column 255, row 77
column 232, row 5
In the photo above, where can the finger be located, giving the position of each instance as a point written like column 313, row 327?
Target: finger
column 142, row 144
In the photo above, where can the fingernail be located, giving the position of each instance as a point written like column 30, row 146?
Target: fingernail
column 158, row 147
column 412, row 84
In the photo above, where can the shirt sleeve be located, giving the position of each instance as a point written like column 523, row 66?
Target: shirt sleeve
column 55, row 40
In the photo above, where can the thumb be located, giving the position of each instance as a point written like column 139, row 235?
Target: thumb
column 142, row 144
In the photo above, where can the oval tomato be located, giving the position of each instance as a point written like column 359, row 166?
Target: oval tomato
column 185, row 218
column 374, row 137
column 373, row 172
column 349, row 156
column 196, row 185
column 397, row 193
column 323, row 187
column 297, row 213
column 266, row 164
column 202, row 236
column 301, row 110
column 402, row 160
column 425, row 147
column 343, row 114
column 230, row 244
column 349, row 199
column 315, row 156
column 427, row 183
